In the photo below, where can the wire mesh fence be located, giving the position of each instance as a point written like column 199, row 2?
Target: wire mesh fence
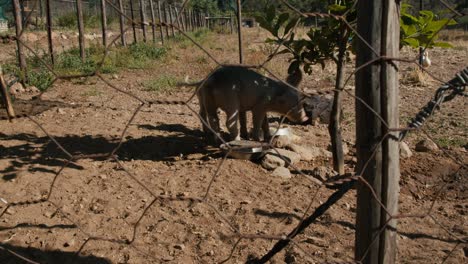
column 134, row 216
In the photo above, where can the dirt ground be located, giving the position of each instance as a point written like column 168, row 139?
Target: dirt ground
column 109, row 215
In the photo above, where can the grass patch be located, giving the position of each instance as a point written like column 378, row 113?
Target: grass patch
column 92, row 92
column 136, row 56
column 451, row 142
column 160, row 84
column 200, row 36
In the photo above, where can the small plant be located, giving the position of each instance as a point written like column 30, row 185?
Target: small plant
column 161, row 84
column 422, row 31
column 92, row 92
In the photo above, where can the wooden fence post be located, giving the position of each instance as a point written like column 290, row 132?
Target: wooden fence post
column 79, row 14
column 377, row 85
column 239, row 29
column 170, row 20
column 143, row 18
column 175, row 17
column 153, row 20
column 165, row 19
column 160, row 21
column 135, row 39
column 231, row 23
column 122, row 24
column 104, row 23
column 19, row 29
column 49, row 32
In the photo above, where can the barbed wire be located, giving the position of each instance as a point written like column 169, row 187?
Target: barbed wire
column 341, row 183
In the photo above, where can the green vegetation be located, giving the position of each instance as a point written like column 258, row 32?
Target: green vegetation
column 422, row 30
column 69, row 20
column 160, row 84
column 136, row 56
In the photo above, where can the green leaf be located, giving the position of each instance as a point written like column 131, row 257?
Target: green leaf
column 443, row 45
column 408, row 19
column 411, row 42
column 281, row 19
column 270, row 13
column 290, row 25
column 337, row 9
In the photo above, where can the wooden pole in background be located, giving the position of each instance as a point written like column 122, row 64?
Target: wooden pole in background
column 175, row 16
column 49, row 32
column 143, row 18
column 377, row 85
column 122, row 24
column 165, row 19
column 104, row 22
column 135, row 40
column 81, row 41
column 153, row 20
column 19, row 29
column 239, row 29
column 160, row 21
column 171, row 21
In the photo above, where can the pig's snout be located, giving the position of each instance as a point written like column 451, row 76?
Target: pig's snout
column 298, row 115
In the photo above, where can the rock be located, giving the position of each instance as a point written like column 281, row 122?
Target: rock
column 115, row 76
column 282, row 141
column 33, row 89
column 281, row 172
column 308, row 153
column 405, row 151
column 16, row 88
column 426, row 145
column 179, row 246
column 272, row 160
column 323, row 173
column 304, row 152
column 60, row 111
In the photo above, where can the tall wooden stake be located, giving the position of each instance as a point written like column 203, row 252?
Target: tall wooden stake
column 160, row 21
column 122, row 24
column 377, row 85
column 135, row 40
column 165, row 19
column 104, row 23
column 239, row 29
column 170, row 20
column 49, row 32
column 19, row 29
column 143, row 18
column 79, row 14
column 153, row 20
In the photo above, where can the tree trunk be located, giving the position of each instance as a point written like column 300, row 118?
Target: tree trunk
column 79, row 14
column 19, row 29
column 335, row 115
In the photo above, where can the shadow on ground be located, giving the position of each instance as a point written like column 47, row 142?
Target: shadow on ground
column 41, row 151
column 45, row 256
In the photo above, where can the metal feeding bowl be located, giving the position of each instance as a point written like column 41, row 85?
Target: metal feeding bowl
column 244, row 149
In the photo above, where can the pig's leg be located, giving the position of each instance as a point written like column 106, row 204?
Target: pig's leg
column 258, row 117
column 213, row 121
column 243, row 125
column 266, row 128
column 203, row 117
column 232, row 122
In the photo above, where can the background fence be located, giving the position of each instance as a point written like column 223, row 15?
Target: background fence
column 375, row 245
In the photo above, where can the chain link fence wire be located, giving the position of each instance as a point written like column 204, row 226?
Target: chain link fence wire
column 227, row 228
